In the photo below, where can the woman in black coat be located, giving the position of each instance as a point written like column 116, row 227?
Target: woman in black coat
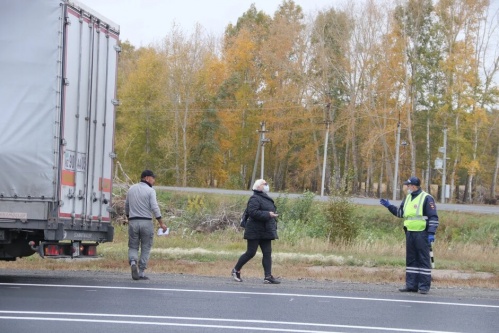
column 261, row 229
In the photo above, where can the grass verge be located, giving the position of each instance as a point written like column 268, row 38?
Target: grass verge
column 205, row 241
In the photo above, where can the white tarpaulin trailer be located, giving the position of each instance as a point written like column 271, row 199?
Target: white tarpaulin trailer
column 58, row 65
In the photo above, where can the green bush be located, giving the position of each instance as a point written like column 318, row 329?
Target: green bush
column 304, row 217
column 336, row 220
column 466, row 228
column 341, row 224
column 300, row 218
column 299, row 210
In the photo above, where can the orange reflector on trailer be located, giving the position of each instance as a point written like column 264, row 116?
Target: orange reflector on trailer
column 91, row 250
column 51, row 250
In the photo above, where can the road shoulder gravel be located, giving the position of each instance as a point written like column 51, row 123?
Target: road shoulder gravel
column 165, row 280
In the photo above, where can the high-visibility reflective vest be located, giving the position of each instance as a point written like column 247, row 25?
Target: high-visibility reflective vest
column 413, row 212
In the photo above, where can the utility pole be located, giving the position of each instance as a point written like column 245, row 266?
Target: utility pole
column 397, row 156
column 264, row 141
column 327, row 121
column 444, row 151
column 253, row 175
column 260, row 144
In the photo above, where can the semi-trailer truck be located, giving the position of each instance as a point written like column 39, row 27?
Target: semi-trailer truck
column 58, row 70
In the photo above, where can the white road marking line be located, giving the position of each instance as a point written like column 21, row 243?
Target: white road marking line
column 251, row 293
column 245, row 321
column 169, row 324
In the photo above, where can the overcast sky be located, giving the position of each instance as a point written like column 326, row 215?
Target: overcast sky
column 143, row 22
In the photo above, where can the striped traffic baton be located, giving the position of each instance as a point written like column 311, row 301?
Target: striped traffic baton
column 431, row 256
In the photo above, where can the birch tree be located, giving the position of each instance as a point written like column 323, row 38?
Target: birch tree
column 184, row 58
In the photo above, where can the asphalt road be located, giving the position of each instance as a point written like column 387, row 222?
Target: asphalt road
column 478, row 209
column 50, row 301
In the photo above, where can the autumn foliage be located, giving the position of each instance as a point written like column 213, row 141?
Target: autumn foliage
column 192, row 105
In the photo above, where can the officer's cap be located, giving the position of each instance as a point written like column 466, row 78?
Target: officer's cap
column 413, row 181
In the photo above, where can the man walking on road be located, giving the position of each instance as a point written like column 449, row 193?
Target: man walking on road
column 139, row 205
column 421, row 222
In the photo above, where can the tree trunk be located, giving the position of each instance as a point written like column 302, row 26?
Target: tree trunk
column 428, row 155
column 389, row 170
column 472, row 170
column 344, row 184
column 494, row 178
column 380, row 180
column 456, row 161
column 184, row 141
column 177, row 144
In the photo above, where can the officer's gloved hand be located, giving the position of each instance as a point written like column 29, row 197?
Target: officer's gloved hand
column 385, row 202
column 431, row 238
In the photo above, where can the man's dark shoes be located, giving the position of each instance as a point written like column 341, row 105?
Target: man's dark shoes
column 135, row 272
column 236, row 275
column 143, row 277
column 407, row 290
column 423, row 292
column 271, row 280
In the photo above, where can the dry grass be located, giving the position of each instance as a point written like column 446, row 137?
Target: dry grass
column 466, row 245
column 288, row 270
column 215, row 254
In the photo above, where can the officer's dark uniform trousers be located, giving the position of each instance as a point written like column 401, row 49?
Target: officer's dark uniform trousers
column 418, row 263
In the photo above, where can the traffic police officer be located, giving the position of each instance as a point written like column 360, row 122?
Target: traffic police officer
column 421, row 222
